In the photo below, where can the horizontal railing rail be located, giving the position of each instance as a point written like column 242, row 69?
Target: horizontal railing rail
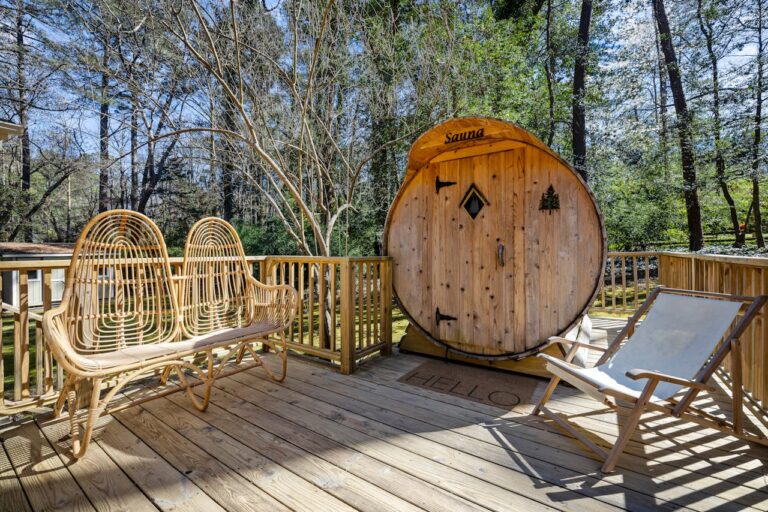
column 360, row 291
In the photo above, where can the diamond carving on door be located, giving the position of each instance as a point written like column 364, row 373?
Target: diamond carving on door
column 473, row 201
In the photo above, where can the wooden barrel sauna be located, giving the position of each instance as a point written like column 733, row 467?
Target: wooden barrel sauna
column 497, row 242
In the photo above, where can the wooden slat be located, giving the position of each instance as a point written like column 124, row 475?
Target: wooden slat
column 613, row 282
column 102, row 480
column 347, row 318
column 321, row 303
column 21, row 341
column 311, row 304
column 376, row 312
column 11, row 493
column 292, row 282
column 152, row 474
column 334, row 346
column 46, row 481
column 624, row 282
column 635, row 283
column 302, row 302
column 369, row 305
column 229, row 489
column 47, row 377
column 359, row 299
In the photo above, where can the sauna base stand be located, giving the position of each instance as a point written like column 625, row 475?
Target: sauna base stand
column 415, row 343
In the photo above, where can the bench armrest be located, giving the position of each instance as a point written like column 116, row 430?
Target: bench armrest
column 57, row 338
column 274, row 303
column 638, row 374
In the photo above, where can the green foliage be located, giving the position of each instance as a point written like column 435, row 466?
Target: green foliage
column 267, row 238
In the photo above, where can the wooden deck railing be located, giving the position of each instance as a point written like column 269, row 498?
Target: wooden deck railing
column 346, row 311
column 738, row 276
column 627, row 280
column 355, row 293
column 629, row 276
column 346, row 305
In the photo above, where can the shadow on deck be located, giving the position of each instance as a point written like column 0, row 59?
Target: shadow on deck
column 322, row 441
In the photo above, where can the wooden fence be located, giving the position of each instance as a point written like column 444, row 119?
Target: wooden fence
column 355, row 293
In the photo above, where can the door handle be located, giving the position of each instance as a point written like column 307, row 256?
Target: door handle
column 500, row 255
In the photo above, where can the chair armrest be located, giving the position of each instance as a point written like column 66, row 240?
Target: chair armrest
column 557, row 340
column 638, row 374
column 275, row 303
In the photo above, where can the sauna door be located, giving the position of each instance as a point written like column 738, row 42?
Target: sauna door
column 472, row 243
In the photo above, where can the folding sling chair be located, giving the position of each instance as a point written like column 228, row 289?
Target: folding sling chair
column 662, row 364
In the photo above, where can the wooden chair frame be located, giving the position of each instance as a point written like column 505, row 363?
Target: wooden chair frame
column 76, row 338
column 683, row 408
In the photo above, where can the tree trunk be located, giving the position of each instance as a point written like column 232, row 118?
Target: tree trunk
column 549, row 67
column 23, row 114
column 708, row 33
column 663, row 130
column 758, row 224
column 104, row 132
column 578, row 127
column 688, row 161
column 134, row 151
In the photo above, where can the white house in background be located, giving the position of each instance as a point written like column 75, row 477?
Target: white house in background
column 9, row 130
column 17, row 251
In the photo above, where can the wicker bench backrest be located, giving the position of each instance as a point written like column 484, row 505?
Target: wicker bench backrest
column 215, row 291
column 119, row 292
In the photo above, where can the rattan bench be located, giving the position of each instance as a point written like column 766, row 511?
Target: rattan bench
column 124, row 315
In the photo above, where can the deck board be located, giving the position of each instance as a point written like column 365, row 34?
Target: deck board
column 465, row 435
column 323, row 441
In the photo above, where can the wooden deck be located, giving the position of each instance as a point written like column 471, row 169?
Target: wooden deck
column 322, row 441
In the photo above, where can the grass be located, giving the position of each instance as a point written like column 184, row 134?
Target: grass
column 8, row 363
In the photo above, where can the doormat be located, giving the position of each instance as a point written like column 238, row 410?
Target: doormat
column 505, row 390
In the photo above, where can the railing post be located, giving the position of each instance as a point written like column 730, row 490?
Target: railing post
column 47, row 358
column 21, row 340
column 385, row 277
column 347, row 317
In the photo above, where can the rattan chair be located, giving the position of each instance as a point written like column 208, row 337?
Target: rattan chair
column 120, row 319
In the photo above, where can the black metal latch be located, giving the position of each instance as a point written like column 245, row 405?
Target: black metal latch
column 440, row 317
column 440, row 184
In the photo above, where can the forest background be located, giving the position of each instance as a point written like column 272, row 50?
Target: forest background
column 293, row 118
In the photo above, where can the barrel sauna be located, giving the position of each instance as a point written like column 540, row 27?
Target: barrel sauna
column 497, row 242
